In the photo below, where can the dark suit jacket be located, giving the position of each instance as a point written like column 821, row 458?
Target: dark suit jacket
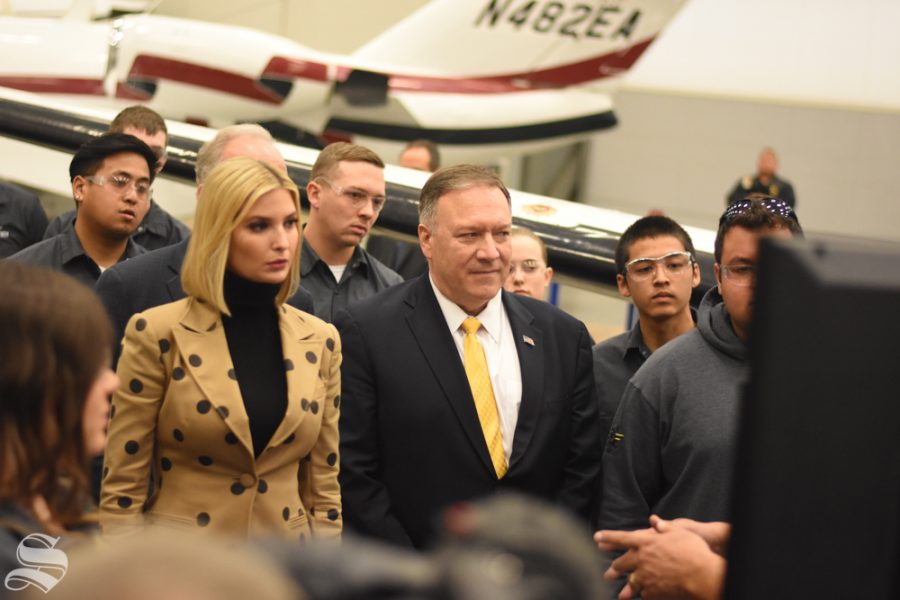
column 411, row 442
column 135, row 285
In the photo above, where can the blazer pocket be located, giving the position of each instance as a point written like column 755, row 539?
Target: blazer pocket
column 171, row 521
column 299, row 524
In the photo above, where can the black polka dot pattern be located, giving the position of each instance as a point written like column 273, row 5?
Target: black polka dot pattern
column 286, row 513
column 176, row 433
column 203, row 519
column 223, row 411
column 132, row 447
column 230, row 438
column 333, row 514
column 288, row 364
column 136, row 386
column 165, row 463
column 124, row 502
column 329, row 343
column 262, row 487
column 203, row 406
column 337, row 401
column 290, row 438
column 314, row 407
column 205, row 460
column 177, row 373
column 232, row 374
column 332, row 459
column 195, row 360
column 311, row 357
column 164, row 346
column 140, row 324
column 105, row 472
column 304, row 404
column 237, row 489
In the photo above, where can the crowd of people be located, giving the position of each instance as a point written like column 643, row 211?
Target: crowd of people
column 276, row 380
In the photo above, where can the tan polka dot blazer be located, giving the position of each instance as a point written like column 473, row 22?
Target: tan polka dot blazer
column 178, row 419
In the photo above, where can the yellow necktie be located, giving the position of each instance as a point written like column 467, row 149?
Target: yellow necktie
column 483, row 392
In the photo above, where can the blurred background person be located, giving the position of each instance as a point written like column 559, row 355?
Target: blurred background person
column 764, row 181
column 55, row 383
column 159, row 228
column 529, row 274
column 404, row 257
column 225, row 392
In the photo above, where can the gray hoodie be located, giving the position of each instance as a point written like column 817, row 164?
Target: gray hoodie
column 672, row 446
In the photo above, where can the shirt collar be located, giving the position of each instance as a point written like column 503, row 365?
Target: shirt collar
column 490, row 318
column 309, row 258
column 71, row 248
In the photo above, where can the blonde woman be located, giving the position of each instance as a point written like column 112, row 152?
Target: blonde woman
column 229, row 399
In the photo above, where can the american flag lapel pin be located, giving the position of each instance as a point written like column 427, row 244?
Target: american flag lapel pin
column 528, row 340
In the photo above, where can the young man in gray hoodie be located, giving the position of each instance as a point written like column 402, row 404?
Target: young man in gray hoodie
column 671, row 447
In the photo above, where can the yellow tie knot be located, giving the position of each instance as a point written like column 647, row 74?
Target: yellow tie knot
column 471, row 325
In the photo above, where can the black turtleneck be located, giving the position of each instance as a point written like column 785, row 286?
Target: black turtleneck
column 254, row 342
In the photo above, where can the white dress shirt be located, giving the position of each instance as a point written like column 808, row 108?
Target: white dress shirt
column 496, row 337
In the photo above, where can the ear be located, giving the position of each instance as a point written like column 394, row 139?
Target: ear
column 717, row 270
column 425, row 240
column 199, row 189
column 313, row 190
column 622, row 284
column 548, row 275
column 79, row 185
column 695, row 278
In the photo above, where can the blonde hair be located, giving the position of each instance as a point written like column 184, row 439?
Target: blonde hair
column 230, row 191
column 525, row 232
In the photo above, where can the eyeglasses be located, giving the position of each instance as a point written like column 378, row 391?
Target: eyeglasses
column 530, row 266
column 742, row 275
column 674, row 263
column 356, row 196
column 770, row 203
column 121, row 182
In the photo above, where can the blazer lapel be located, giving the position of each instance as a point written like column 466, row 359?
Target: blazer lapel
column 302, row 351
column 530, row 347
column 201, row 340
column 429, row 327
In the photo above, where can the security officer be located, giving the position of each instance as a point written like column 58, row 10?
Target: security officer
column 764, row 182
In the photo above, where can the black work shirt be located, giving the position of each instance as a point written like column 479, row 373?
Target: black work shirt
column 616, row 360
column 22, row 219
column 779, row 188
column 363, row 276
column 65, row 253
column 158, row 229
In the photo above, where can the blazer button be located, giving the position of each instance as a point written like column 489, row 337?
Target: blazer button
column 247, row 480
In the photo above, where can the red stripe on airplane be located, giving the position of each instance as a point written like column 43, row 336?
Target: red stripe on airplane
column 127, row 92
column 154, row 67
column 289, row 68
column 54, row 85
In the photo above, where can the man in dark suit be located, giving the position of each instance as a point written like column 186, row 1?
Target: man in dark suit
column 133, row 286
column 453, row 389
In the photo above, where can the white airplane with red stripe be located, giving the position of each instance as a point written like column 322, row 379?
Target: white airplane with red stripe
column 498, row 76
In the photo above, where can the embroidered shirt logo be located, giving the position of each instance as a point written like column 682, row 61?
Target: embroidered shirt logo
column 43, row 565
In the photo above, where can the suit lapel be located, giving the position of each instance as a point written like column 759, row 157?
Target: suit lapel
column 531, row 363
column 205, row 357
column 429, row 327
column 302, row 351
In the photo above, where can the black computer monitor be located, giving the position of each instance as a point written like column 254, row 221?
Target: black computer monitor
column 817, row 488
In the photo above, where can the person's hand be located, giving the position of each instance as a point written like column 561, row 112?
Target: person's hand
column 715, row 533
column 676, row 563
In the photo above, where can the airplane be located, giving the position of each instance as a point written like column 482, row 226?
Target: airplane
column 479, row 77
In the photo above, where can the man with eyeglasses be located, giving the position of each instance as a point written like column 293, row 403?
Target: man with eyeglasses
column 111, row 177
column 159, row 228
column 657, row 271
column 671, row 447
column 346, row 193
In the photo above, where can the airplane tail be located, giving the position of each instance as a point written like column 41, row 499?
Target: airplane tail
column 522, row 43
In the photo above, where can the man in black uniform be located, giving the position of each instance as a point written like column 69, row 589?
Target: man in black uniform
column 22, row 219
column 159, row 228
column 764, row 182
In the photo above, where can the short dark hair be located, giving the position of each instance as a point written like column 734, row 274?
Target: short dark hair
column 139, row 117
column 650, row 227
column 754, row 212
column 90, row 156
column 450, row 179
column 434, row 155
column 50, row 359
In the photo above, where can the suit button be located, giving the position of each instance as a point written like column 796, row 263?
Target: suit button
column 247, row 480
